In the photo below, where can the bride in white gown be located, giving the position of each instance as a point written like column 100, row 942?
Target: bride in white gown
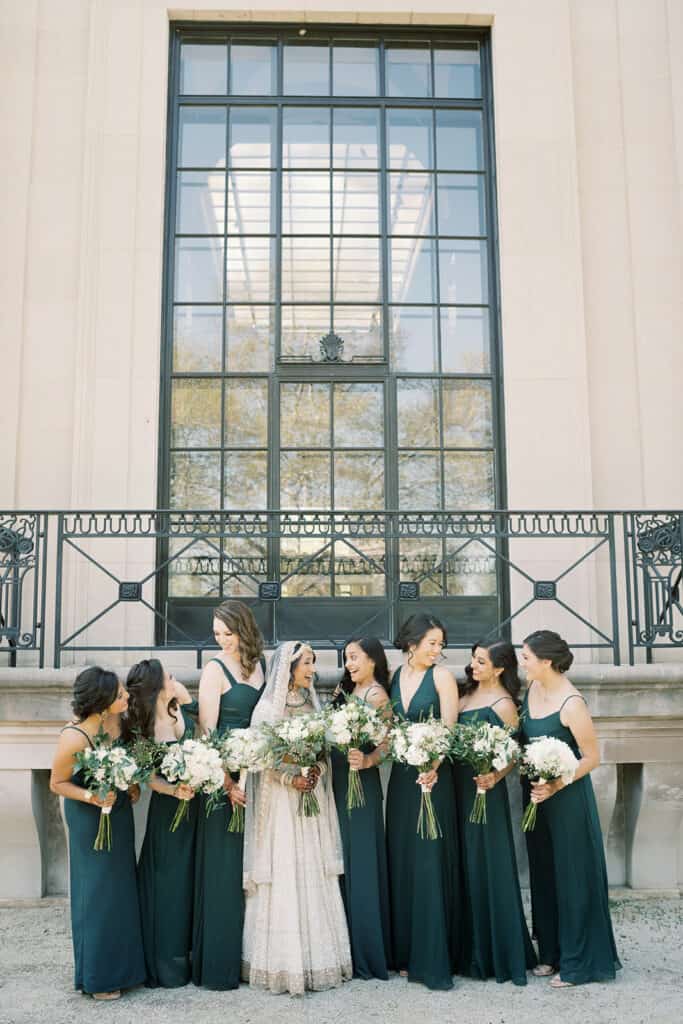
column 295, row 934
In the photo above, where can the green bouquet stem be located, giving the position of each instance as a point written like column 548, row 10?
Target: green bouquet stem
column 478, row 812
column 237, row 817
column 308, row 801
column 103, row 837
column 355, row 797
column 529, row 819
column 427, row 822
column 180, row 814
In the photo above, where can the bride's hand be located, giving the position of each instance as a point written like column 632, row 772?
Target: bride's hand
column 303, row 784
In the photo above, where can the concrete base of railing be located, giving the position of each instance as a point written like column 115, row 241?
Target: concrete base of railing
column 639, row 785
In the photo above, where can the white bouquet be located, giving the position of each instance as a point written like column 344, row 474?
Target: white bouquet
column 486, row 748
column 195, row 763
column 419, row 744
column 544, row 760
column 106, row 767
column 349, row 727
column 243, row 751
column 299, row 740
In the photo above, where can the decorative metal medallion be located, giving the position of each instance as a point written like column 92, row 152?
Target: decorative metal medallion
column 331, row 347
column 545, row 590
column 269, row 590
column 409, row 590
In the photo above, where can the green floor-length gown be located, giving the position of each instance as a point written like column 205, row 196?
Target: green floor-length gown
column 364, row 884
column 105, row 913
column 567, row 872
column 218, row 893
column 165, row 874
column 424, row 874
column 496, row 941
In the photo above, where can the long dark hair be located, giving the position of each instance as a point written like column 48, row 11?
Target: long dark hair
column 95, row 690
column 375, row 652
column 415, row 628
column 144, row 683
column 502, row 655
column 549, row 646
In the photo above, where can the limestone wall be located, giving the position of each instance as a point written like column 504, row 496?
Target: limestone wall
column 639, row 785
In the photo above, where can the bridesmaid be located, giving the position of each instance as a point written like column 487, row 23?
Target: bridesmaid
column 159, row 708
column 229, row 689
column 568, row 875
column 496, row 941
column 105, row 916
column 364, row 884
column 424, row 875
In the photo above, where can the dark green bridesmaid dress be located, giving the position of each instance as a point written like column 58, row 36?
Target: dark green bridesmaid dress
column 165, row 873
column 218, row 893
column 424, row 874
column 567, row 871
column 105, row 913
column 364, row 884
column 496, row 941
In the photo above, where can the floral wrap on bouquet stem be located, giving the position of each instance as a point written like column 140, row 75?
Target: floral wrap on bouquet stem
column 105, row 767
column 299, row 740
column 546, row 759
column 485, row 747
column 350, row 727
column 420, row 744
column 194, row 763
column 243, row 751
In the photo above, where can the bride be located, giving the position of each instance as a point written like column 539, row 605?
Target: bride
column 295, row 935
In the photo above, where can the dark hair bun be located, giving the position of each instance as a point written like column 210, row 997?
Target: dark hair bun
column 415, row 628
column 94, row 691
column 550, row 647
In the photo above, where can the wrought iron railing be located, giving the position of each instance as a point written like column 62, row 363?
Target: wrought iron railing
column 134, row 581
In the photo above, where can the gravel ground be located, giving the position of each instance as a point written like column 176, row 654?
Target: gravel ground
column 36, row 979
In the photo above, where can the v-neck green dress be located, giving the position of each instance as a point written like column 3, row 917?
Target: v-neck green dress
column 567, row 871
column 218, row 893
column 165, row 873
column 496, row 941
column 424, row 874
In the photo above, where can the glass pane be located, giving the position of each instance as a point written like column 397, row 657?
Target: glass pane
column 409, row 139
column 469, row 481
column 203, row 69
column 305, row 480
column 355, row 200
column 195, row 480
column 249, row 270
column 194, row 573
column 250, row 205
column 413, row 271
column 418, row 413
column 252, row 137
column 408, row 71
column 252, row 69
column 470, row 568
column 305, row 137
column 356, row 138
column 201, row 203
column 249, row 341
column 306, row 202
column 465, row 340
column 462, row 208
column 462, row 271
column 356, row 270
column 195, row 413
column 199, row 269
column 302, row 329
column 244, row 564
column 459, row 142
column 411, row 204
column 467, row 414
column 361, row 329
column 457, row 71
column 421, row 561
column 306, row 70
column 197, row 336
column 246, row 411
column 359, row 415
column 414, row 344
column 355, row 70
column 305, row 415
column 202, row 137
column 305, row 569
column 419, row 481
column 358, row 576
column 245, row 482
column 359, row 480
column 305, row 270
